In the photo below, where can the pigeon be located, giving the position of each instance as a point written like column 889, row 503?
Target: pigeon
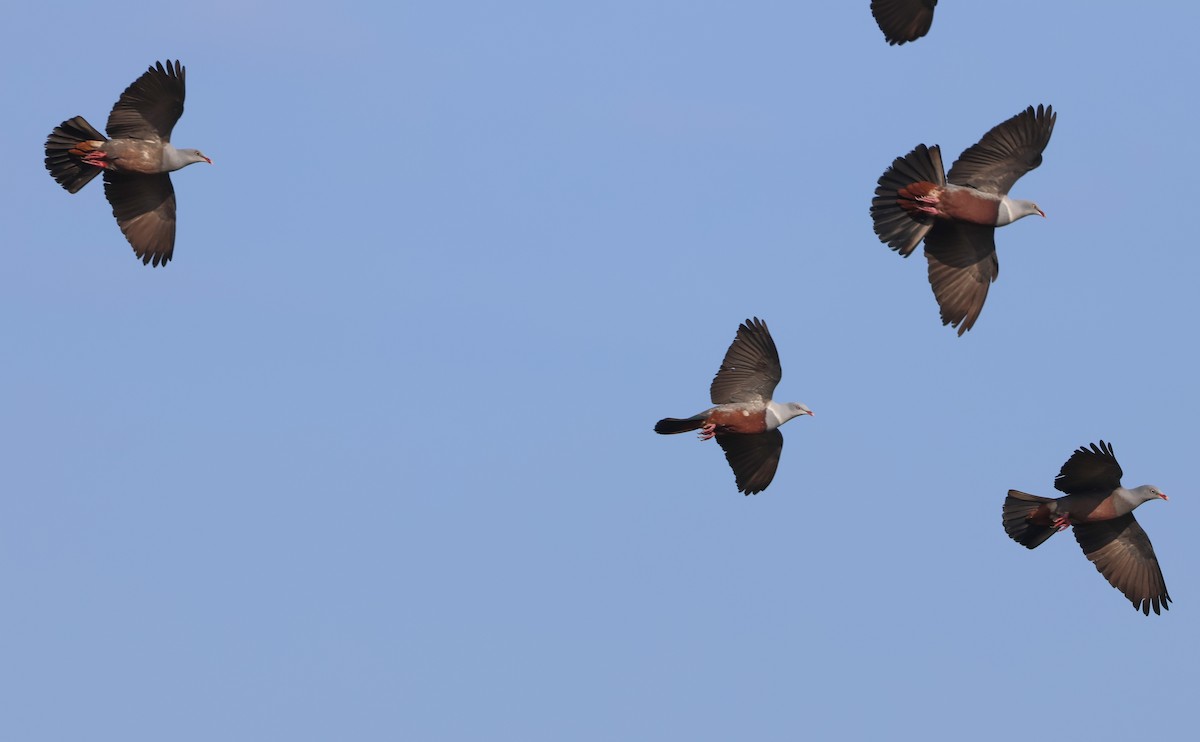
column 903, row 20
column 135, row 161
column 1101, row 512
column 745, row 421
column 957, row 214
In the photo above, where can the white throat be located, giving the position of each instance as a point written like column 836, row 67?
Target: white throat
column 173, row 159
column 1012, row 209
column 778, row 414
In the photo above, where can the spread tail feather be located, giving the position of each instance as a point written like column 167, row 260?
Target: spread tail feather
column 63, row 160
column 1019, row 508
column 900, row 228
column 669, row 425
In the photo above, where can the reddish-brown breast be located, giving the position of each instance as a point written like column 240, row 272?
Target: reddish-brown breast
column 968, row 205
column 1104, row 510
column 133, row 156
column 745, row 419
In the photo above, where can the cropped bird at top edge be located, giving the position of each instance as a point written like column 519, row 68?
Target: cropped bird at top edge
column 1101, row 512
column 903, row 20
column 745, row 420
column 956, row 214
column 135, row 161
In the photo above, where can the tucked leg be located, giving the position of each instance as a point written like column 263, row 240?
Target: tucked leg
column 928, row 204
column 96, row 157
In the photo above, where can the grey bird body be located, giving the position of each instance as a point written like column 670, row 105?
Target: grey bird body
column 1088, row 507
column 745, row 420
column 956, row 214
column 148, row 157
column 1100, row 511
column 135, row 160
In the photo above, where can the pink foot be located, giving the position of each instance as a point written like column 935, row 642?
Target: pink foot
column 707, row 432
column 927, row 209
column 96, row 157
column 1061, row 522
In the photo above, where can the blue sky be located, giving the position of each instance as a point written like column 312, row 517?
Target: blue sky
column 372, row 457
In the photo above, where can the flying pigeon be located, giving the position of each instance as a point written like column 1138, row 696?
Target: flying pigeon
column 957, row 214
column 135, row 161
column 1101, row 510
column 745, row 421
column 903, row 20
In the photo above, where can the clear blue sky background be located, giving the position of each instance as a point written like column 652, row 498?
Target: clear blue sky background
column 372, row 458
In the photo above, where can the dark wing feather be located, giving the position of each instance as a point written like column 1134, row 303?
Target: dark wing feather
column 144, row 206
column 1019, row 510
column 69, row 169
column 898, row 228
column 1121, row 551
column 149, row 108
column 753, row 458
column 751, row 369
column 962, row 265
column 1005, row 153
column 1090, row 470
column 903, row 20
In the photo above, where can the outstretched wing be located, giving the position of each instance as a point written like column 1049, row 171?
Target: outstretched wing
column 149, row 108
column 750, row 371
column 962, row 265
column 144, row 206
column 753, row 458
column 1005, row 153
column 1090, row 470
column 903, row 20
column 1121, row 551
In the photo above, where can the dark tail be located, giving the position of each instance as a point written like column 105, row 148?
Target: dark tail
column 669, row 425
column 63, row 157
column 902, row 229
column 1022, row 521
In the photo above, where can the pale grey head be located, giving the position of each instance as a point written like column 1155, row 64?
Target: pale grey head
column 798, row 409
column 779, row 413
column 1012, row 209
column 1146, row 493
column 174, row 159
